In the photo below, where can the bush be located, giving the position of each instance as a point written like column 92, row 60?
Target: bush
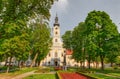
column 115, row 67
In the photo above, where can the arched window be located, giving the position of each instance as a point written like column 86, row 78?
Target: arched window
column 56, row 40
column 62, row 55
column 56, row 33
column 49, row 54
column 56, row 54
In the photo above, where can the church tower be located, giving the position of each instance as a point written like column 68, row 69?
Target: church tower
column 55, row 56
column 56, row 33
column 58, row 56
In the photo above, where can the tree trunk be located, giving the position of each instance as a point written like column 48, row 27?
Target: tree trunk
column 96, row 64
column 10, row 61
column 9, row 65
column 33, row 62
column 39, row 63
column 89, row 62
column 84, row 64
column 6, row 62
column 81, row 64
column 102, row 62
column 19, row 65
column 111, row 64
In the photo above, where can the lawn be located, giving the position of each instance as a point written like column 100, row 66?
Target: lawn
column 103, row 74
column 17, row 72
column 41, row 76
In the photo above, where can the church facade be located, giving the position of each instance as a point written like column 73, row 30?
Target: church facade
column 58, row 56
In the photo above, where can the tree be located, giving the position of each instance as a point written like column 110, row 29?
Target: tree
column 40, row 41
column 112, row 46
column 78, row 43
column 14, row 15
column 117, row 60
column 67, row 39
column 15, row 10
column 75, row 40
column 100, row 23
column 14, row 42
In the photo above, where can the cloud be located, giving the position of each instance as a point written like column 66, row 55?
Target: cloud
column 61, row 6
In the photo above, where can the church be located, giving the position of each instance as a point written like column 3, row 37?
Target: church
column 58, row 56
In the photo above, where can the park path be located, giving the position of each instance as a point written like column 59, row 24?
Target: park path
column 21, row 76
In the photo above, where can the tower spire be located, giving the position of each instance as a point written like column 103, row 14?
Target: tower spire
column 56, row 21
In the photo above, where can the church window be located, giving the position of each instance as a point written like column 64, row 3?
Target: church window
column 55, row 54
column 49, row 54
column 55, row 40
column 49, row 63
column 56, row 33
column 62, row 54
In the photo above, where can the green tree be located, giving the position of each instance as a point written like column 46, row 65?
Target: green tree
column 117, row 60
column 14, row 41
column 100, row 23
column 15, row 10
column 67, row 42
column 78, row 43
column 40, row 40
column 112, row 46
column 14, row 15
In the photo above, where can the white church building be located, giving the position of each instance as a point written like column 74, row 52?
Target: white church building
column 57, row 55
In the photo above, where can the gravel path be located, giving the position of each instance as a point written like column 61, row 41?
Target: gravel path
column 28, row 74
column 23, row 75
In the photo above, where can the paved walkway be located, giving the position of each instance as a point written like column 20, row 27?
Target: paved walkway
column 21, row 76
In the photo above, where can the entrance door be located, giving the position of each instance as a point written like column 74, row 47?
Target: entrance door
column 56, row 63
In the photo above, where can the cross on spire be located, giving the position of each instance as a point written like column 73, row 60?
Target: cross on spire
column 56, row 20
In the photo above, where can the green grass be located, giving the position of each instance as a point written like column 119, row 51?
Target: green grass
column 108, row 73
column 23, row 70
column 115, row 74
column 17, row 72
column 102, row 76
column 41, row 76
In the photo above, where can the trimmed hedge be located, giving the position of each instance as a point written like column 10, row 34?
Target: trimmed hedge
column 58, row 75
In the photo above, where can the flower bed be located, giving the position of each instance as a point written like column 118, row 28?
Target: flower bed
column 58, row 68
column 68, row 75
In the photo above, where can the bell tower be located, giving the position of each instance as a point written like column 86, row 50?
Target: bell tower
column 55, row 56
column 56, row 32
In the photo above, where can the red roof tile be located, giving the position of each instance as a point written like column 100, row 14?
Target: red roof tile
column 69, row 52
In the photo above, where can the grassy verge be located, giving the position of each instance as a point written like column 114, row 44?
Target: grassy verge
column 41, row 76
column 102, row 76
column 21, row 71
column 108, row 73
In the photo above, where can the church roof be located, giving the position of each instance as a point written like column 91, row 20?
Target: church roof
column 56, row 21
column 69, row 52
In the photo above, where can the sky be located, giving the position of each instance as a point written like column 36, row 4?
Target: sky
column 72, row 12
